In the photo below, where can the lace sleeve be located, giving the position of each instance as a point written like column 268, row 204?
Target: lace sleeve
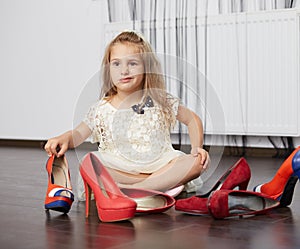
column 174, row 103
column 89, row 120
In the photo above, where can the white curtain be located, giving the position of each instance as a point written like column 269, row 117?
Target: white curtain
column 186, row 68
column 125, row 10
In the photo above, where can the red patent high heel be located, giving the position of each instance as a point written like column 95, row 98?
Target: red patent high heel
column 112, row 204
column 236, row 176
column 226, row 203
column 59, row 196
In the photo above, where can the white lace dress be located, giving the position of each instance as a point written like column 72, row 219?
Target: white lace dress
column 132, row 142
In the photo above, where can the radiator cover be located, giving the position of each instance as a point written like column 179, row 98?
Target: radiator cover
column 251, row 64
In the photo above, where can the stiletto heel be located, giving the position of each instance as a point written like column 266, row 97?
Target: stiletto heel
column 112, row 204
column 227, row 203
column 87, row 198
column 236, row 176
column 243, row 185
column 286, row 195
column 59, row 196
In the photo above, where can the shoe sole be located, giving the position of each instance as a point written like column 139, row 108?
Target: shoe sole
column 59, row 206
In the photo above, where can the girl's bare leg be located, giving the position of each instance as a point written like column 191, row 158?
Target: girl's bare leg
column 178, row 172
column 126, row 178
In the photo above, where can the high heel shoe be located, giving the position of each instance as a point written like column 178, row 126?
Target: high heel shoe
column 236, row 176
column 59, row 196
column 149, row 201
column 286, row 195
column 226, row 203
column 112, row 204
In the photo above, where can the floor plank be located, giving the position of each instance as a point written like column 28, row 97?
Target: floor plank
column 25, row 224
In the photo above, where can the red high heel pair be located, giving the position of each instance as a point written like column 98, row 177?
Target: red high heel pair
column 59, row 196
column 236, row 176
column 112, row 204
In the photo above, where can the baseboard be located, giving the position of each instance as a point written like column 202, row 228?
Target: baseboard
column 22, row 143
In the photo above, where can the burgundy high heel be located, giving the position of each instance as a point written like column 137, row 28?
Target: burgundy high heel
column 236, row 176
column 227, row 203
column 112, row 204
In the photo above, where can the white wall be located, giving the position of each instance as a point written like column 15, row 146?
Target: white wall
column 50, row 53
column 49, row 50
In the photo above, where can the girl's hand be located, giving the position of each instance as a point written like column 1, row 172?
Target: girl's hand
column 197, row 151
column 57, row 146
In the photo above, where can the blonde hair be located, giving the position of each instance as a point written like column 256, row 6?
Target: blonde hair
column 153, row 82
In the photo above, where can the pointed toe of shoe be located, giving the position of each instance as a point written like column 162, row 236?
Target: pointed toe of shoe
column 192, row 205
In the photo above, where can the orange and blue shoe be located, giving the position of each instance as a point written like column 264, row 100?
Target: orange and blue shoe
column 284, row 192
column 59, row 196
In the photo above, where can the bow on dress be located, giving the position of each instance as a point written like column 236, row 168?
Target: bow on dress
column 139, row 108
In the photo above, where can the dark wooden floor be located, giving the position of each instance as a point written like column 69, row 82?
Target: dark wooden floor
column 24, row 223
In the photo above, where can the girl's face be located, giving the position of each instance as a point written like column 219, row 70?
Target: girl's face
column 126, row 68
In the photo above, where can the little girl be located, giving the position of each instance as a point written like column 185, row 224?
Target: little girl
column 132, row 122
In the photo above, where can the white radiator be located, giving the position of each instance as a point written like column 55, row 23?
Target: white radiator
column 251, row 63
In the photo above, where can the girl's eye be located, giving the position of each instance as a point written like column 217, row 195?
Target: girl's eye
column 133, row 63
column 115, row 63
